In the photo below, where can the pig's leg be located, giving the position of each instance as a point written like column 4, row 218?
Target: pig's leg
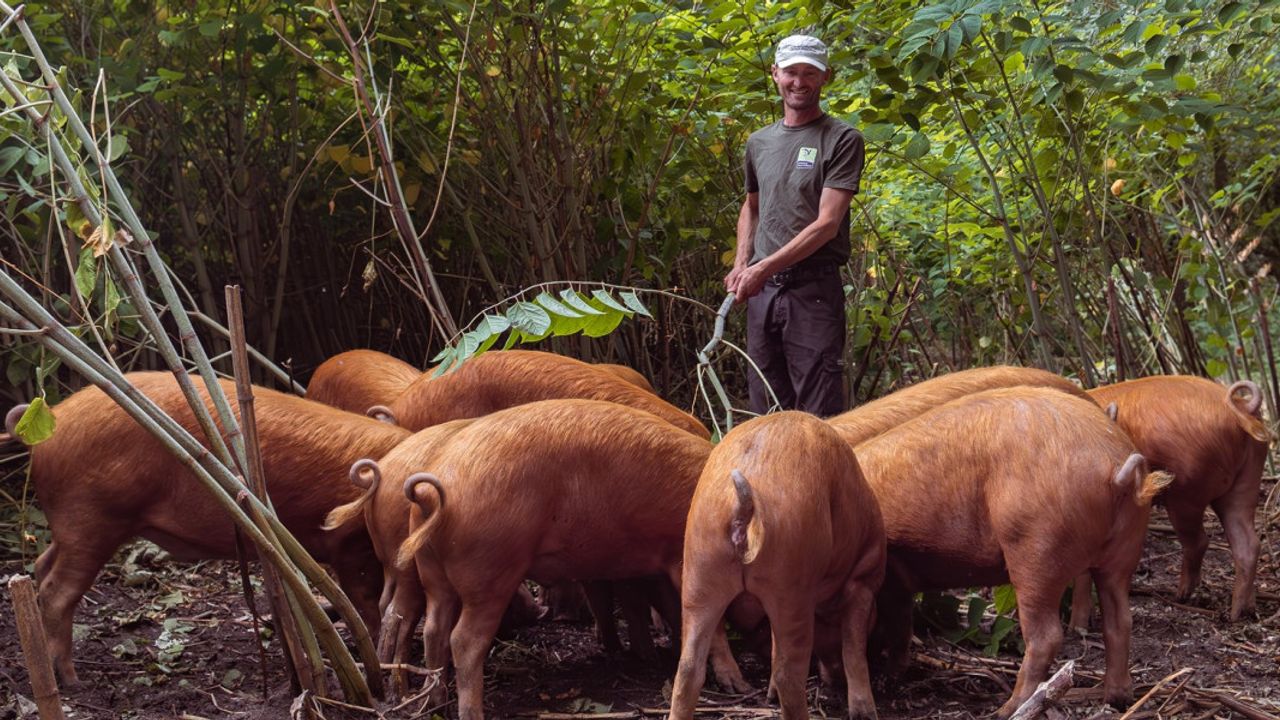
column 1236, row 510
column 1188, row 523
column 600, row 600
column 859, row 613
column 399, row 622
column 893, row 606
column 471, row 640
column 1081, row 602
column 701, row 622
column 1041, row 630
column 791, row 617
column 442, row 610
column 633, row 596
column 67, row 570
column 1117, row 623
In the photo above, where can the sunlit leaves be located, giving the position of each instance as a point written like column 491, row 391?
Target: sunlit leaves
column 36, row 424
column 569, row 312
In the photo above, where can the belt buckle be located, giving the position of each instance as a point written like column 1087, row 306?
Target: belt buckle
column 782, row 277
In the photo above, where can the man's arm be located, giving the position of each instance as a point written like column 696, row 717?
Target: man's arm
column 747, row 219
column 831, row 208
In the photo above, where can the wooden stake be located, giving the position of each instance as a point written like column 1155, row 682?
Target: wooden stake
column 34, row 649
column 1048, row 691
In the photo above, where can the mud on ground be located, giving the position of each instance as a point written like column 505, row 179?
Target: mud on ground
column 163, row 640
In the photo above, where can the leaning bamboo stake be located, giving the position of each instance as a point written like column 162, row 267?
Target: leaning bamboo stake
column 125, row 271
column 216, row 477
column 34, row 649
column 304, row 655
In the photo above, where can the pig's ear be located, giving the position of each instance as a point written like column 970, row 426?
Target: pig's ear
column 1113, row 411
column 383, row 413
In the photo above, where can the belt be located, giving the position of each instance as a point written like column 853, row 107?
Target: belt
column 797, row 274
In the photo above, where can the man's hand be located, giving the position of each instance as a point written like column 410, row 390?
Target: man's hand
column 746, row 282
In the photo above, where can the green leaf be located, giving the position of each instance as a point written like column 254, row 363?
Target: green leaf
column 603, row 323
column 977, row 606
column 918, row 147
column 1005, row 597
column 605, row 299
column 86, row 276
column 633, row 303
column 555, row 307
column 577, row 302
column 36, row 424
column 1184, row 82
column 1015, row 63
column 119, row 145
column 1019, row 23
column 529, row 319
column 494, row 323
column 9, row 157
column 1215, row 368
column 111, row 296
column 1230, row 12
column 879, row 132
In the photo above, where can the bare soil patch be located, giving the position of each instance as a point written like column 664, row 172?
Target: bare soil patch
column 162, row 640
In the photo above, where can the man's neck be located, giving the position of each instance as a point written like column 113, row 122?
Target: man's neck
column 796, row 118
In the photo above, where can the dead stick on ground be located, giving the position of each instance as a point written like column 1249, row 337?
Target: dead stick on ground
column 1048, row 691
column 1234, row 703
column 31, row 636
column 1154, row 688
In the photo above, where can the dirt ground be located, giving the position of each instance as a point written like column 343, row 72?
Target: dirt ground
column 162, row 640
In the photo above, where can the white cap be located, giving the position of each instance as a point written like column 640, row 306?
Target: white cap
column 801, row 49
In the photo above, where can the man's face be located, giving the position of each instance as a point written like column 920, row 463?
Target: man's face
column 800, row 84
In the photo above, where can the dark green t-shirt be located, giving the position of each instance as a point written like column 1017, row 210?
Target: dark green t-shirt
column 789, row 166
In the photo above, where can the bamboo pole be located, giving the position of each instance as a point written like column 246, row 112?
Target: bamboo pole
column 221, row 483
column 303, row 654
column 34, row 649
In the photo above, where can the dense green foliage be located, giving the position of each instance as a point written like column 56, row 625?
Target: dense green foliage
column 1085, row 186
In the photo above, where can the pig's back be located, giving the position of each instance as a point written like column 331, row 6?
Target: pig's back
column 356, row 380
column 101, row 457
column 809, row 493
column 1182, row 424
column 865, row 422
column 962, row 478
column 582, row 479
column 499, row 380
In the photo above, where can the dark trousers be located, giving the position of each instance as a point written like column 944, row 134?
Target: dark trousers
column 795, row 334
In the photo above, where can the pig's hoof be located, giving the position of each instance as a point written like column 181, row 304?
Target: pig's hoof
column 732, row 682
column 1119, row 698
column 862, row 712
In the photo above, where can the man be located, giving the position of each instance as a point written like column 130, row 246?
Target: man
column 793, row 236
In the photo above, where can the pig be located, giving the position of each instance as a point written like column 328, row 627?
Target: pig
column 102, row 479
column 1214, row 443
column 552, row 490
column 359, row 379
column 1024, row 485
column 782, row 512
column 384, row 510
column 873, row 418
column 497, row 380
column 631, row 375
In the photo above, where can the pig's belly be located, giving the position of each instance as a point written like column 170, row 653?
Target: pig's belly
column 939, row 571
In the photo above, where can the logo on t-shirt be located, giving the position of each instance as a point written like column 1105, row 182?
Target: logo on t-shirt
column 806, row 158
